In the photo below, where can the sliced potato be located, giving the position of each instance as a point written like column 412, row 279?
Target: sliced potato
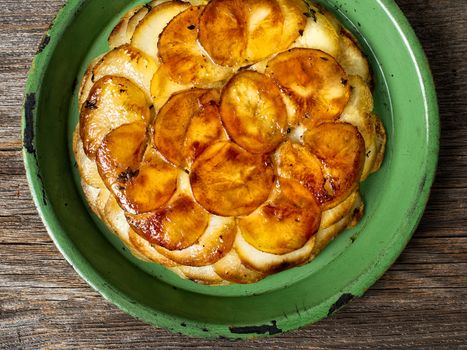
column 162, row 87
column 202, row 275
column 264, row 26
column 232, row 269
column 187, row 124
column 351, row 57
column 295, row 162
column 319, row 33
column 327, row 234
column 295, row 21
column 238, row 32
column 341, row 149
column 113, row 101
column 146, row 34
column 174, row 227
column 253, row 112
column 335, row 214
column 314, row 80
column 229, row 181
column 285, row 222
column 140, row 179
column 152, row 187
column 381, row 138
column 358, row 113
column 128, row 62
column 181, row 54
column 121, row 34
column 87, row 82
column 87, row 167
column 145, row 248
column 270, row 263
column 213, row 245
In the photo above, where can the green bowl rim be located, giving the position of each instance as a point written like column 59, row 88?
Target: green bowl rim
column 86, row 271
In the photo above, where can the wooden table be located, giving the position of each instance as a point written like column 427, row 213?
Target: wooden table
column 420, row 303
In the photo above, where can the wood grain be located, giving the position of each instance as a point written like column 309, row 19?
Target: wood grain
column 420, row 303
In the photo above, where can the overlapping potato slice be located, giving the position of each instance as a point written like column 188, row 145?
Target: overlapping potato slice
column 270, row 263
column 162, row 87
column 327, row 233
column 314, row 81
column 137, row 175
column 294, row 161
column 87, row 167
column 232, row 269
column 201, row 274
column 213, row 245
column 143, row 247
column 113, row 101
column 237, row 33
column 88, row 81
column 187, row 124
column 337, row 213
column 358, row 113
column 285, row 222
column 341, row 149
column 146, row 34
column 253, row 112
column 122, row 32
column 175, row 226
column 351, row 57
column 381, row 138
column 295, row 21
column 229, row 181
column 183, row 57
column 128, row 62
column 319, row 33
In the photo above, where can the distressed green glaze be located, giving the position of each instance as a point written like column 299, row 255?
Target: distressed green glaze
column 395, row 197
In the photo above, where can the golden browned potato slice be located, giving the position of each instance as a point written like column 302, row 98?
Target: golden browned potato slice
column 112, row 101
column 140, row 179
column 351, row 57
column 174, row 227
column 187, row 124
column 229, row 181
column 147, row 32
column 295, row 20
column 212, row 246
column 285, row 222
column 358, row 113
column 295, row 162
column 314, row 80
column 237, row 33
column 270, row 263
column 128, row 62
column 341, row 149
column 232, row 269
column 153, row 186
column 181, row 54
column 253, row 112
column 319, row 33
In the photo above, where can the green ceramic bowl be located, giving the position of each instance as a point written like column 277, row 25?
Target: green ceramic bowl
column 395, row 197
